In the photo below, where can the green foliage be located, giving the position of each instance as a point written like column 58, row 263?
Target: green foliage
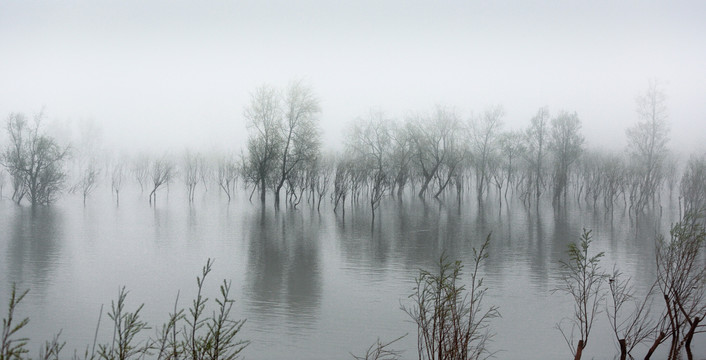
column 126, row 326
column 582, row 280
column 13, row 348
column 201, row 338
column 681, row 277
column 451, row 321
column 213, row 337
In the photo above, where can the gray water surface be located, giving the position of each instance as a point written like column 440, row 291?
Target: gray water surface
column 311, row 285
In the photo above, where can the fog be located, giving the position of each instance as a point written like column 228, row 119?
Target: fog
column 167, row 75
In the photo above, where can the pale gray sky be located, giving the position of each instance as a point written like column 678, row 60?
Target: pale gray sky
column 178, row 73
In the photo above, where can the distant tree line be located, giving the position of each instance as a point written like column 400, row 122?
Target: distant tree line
column 435, row 154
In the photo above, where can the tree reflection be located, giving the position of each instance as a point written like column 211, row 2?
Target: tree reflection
column 284, row 270
column 35, row 247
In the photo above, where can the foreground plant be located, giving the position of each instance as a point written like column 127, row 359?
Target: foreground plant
column 11, row 347
column 451, row 320
column 213, row 337
column 381, row 351
column 202, row 337
column 126, row 327
column 582, row 280
column 630, row 327
column 681, row 278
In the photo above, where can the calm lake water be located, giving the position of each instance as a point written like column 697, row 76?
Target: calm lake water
column 311, row 285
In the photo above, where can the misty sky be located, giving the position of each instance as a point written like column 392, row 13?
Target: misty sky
column 170, row 74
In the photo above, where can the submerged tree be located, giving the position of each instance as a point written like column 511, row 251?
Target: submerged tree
column 227, row 175
column 566, row 143
column 283, row 136
column 647, row 144
column 537, row 137
column 429, row 136
column 484, row 134
column 34, row 160
column 140, row 170
column 116, row 180
column 692, row 188
column 298, row 132
column 88, row 180
column 192, row 172
column 162, row 173
column 264, row 117
column 370, row 145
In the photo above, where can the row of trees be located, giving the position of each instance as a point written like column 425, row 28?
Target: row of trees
column 436, row 154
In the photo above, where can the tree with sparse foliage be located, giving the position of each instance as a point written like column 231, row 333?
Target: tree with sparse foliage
column 264, row 118
column 370, row 146
column 484, row 133
column 537, row 139
column 566, row 143
column 692, row 188
column 34, row 160
column 681, row 278
column 299, row 133
column 452, row 321
column 647, row 144
column 583, row 281
column 429, row 136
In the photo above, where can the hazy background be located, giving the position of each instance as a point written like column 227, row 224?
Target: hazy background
column 157, row 75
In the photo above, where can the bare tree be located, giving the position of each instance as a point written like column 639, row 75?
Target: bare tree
column 511, row 148
column 162, row 173
column 342, row 183
column 566, row 143
column 2, row 181
column 429, row 137
column 88, row 181
column 647, row 143
column 324, row 172
column 228, row 173
column 34, row 160
column 193, row 163
column 264, row 119
column 370, row 145
column 141, row 170
column 692, row 188
column 453, row 165
column 537, row 138
column 401, row 158
column 299, row 133
column 484, row 132
column 116, row 182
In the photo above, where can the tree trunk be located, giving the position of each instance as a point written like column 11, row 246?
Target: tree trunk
column 423, row 190
column 623, row 349
column 579, row 350
column 689, row 336
column 263, row 190
column 277, row 190
column 654, row 346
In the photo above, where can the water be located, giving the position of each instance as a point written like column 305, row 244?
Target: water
column 311, row 285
